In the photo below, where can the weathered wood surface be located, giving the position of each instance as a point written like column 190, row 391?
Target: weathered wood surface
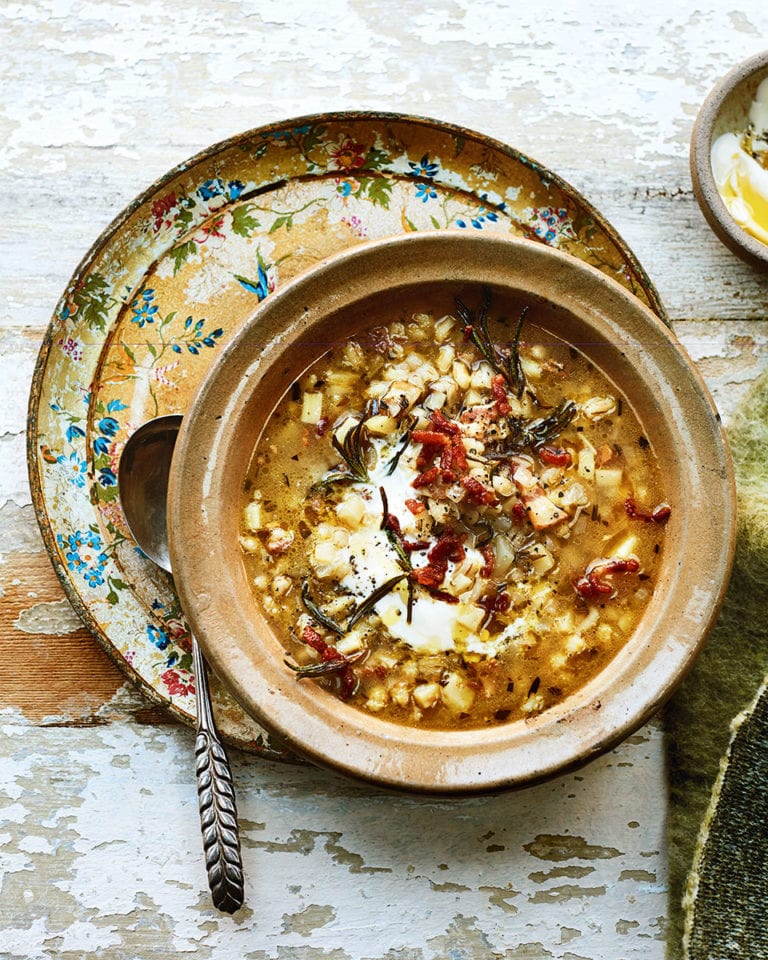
column 99, row 845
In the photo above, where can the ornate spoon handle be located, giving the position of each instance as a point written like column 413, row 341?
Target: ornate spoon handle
column 216, row 794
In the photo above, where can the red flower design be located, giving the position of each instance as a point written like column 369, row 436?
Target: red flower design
column 160, row 208
column 176, row 686
column 348, row 155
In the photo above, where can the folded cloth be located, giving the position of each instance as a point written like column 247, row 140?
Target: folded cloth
column 717, row 740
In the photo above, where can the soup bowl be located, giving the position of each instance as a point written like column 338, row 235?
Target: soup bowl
column 346, row 295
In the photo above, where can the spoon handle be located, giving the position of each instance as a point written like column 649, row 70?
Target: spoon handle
column 216, row 795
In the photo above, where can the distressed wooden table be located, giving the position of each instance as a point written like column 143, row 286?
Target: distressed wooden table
column 99, row 839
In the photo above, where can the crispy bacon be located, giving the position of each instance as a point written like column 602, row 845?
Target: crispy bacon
column 499, row 394
column 660, row 513
column 554, row 456
column 592, row 583
column 490, row 559
column 426, row 478
column 477, row 493
column 416, row 506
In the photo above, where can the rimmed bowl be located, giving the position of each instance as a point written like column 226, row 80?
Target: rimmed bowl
column 726, row 110
column 287, row 332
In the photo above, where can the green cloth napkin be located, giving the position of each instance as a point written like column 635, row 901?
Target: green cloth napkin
column 717, row 741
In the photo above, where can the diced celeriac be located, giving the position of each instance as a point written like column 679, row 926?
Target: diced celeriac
column 311, row 407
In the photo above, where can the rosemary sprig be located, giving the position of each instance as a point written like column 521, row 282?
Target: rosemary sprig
column 370, row 602
column 325, row 667
column 533, row 433
column 352, row 451
column 509, row 364
column 317, row 613
column 402, row 445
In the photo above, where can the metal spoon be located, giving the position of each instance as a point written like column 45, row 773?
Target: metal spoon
column 143, row 484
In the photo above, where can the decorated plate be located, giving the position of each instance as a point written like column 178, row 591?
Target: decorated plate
column 171, row 281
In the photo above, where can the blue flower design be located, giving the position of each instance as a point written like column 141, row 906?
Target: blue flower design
column 235, row 188
column 144, row 309
column 157, row 636
column 424, row 168
column 74, row 431
column 77, row 466
column 108, row 426
column 198, row 340
column 107, row 477
column 211, row 189
column 345, row 188
column 425, row 191
column 101, row 446
column 260, row 287
column 84, row 553
column 116, row 405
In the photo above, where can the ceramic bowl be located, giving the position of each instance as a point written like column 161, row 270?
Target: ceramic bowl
column 287, row 332
column 726, row 110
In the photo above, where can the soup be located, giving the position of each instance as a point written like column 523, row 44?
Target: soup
column 452, row 521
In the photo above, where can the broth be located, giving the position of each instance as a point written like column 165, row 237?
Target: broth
column 452, row 522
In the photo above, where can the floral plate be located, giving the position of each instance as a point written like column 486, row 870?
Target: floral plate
column 177, row 273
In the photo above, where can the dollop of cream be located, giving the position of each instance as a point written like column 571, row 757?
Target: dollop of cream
column 740, row 168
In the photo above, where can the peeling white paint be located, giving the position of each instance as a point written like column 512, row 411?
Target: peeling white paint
column 53, row 618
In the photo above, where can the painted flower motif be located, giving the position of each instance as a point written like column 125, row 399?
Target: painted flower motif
column 143, row 308
column 70, row 347
column 107, row 477
column 235, row 188
column 161, row 209
column 84, row 554
column 177, row 685
column 424, row 168
column 212, row 229
column 425, row 191
column 550, row 223
column 347, row 155
column 196, row 338
column 262, row 286
column 346, row 187
column 484, row 214
column 356, row 225
column 159, row 638
column 76, row 466
column 210, row 189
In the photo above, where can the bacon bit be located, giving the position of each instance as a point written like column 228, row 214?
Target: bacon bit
column 459, row 455
column 347, row 676
column 312, row 638
column 490, row 559
column 430, row 438
column 447, row 472
column 426, row 478
column 441, row 423
column 554, row 456
column 591, row 584
column 498, row 602
column 499, row 394
column 416, row 506
column 411, row 546
column 660, row 513
column 518, row 513
column 477, row 493
column 392, row 523
column 448, row 547
column 322, row 426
